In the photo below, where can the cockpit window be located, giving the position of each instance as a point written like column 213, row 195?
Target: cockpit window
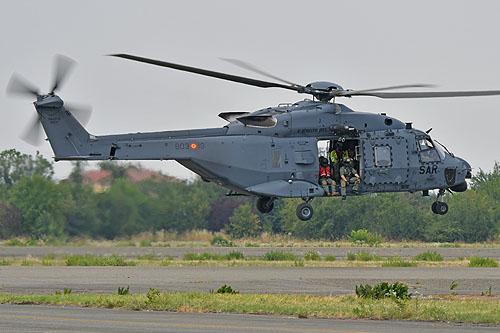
column 427, row 151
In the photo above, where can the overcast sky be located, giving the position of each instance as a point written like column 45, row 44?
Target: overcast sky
column 357, row 44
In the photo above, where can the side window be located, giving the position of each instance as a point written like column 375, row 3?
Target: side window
column 427, row 151
column 276, row 159
column 383, row 156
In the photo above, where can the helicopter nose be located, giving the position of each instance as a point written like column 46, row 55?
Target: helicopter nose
column 462, row 171
column 465, row 167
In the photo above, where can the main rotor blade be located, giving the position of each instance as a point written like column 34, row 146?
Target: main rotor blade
column 431, row 94
column 62, row 67
column 33, row 132
column 252, row 68
column 18, row 85
column 218, row 75
column 81, row 112
column 403, row 86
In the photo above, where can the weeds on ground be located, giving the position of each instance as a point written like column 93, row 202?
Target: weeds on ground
column 312, row 256
column 66, row 291
column 383, row 290
column 398, row 262
column 221, row 241
column 482, row 262
column 225, row 289
column 279, row 256
column 364, row 237
column 123, row 291
column 429, row 256
column 330, row 257
column 363, row 256
column 90, row 260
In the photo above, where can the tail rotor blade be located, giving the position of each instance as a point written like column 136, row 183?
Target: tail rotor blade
column 81, row 112
column 33, row 133
column 18, row 85
column 62, row 67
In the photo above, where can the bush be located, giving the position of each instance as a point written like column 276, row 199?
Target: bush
column 363, row 256
column 429, row 256
column 398, row 262
column 14, row 242
column 123, row 291
column 279, row 256
column 49, row 256
column 234, row 255
column 90, row 260
column 221, row 241
column 31, row 242
column 312, row 255
column 244, row 223
column 152, row 296
column 330, row 257
column 203, row 256
column 482, row 262
column 383, row 290
column 363, row 236
column 226, row 290
column 146, row 243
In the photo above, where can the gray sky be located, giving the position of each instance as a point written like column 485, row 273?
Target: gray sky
column 357, row 44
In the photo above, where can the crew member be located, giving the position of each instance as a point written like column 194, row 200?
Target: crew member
column 336, row 157
column 324, row 176
column 348, row 175
column 352, row 154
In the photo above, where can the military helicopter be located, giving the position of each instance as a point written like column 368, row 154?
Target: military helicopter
column 272, row 152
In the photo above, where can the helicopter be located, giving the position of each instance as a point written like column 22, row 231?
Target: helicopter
column 273, row 152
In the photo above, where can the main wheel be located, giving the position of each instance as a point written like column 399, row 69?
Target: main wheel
column 265, row 204
column 304, row 211
column 433, row 207
column 442, row 208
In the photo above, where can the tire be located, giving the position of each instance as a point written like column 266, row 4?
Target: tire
column 442, row 208
column 304, row 211
column 265, row 205
column 433, row 207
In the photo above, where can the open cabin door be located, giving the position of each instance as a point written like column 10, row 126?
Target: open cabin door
column 385, row 160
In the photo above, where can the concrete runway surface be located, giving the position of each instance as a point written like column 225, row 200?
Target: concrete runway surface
column 276, row 280
column 28, row 318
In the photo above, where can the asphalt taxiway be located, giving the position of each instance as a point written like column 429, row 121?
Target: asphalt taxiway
column 40, row 318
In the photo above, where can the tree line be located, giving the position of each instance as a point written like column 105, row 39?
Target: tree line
column 33, row 205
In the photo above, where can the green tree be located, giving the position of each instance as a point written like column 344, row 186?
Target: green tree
column 120, row 210
column 14, row 166
column 244, row 223
column 41, row 204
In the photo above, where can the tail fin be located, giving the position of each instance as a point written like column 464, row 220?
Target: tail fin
column 68, row 138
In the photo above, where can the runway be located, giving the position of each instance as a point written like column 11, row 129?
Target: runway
column 29, row 318
column 259, row 280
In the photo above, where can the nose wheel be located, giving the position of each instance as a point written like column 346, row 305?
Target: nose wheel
column 440, row 207
column 304, row 210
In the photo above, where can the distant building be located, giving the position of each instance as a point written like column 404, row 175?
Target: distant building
column 101, row 180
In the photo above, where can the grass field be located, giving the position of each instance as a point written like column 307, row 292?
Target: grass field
column 268, row 260
column 446, row 308
column 204, row 238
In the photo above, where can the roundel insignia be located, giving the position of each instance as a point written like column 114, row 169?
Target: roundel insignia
column 193, row 145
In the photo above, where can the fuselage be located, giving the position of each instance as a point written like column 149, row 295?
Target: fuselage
column 277, row 161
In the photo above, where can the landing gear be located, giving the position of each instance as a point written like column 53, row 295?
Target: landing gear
column 440, row 207
column 304, row 210
column 265, row 204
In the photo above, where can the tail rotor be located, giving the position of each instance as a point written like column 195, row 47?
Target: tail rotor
column 19, row 86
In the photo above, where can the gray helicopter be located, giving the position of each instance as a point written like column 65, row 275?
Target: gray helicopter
column 272, row 152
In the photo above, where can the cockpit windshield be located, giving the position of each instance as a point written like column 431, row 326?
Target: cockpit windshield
column 428, row 151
